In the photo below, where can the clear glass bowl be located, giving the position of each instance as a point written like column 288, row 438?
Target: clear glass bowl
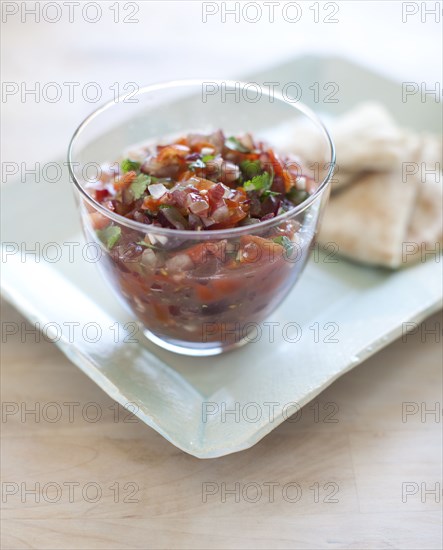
column 199, row 292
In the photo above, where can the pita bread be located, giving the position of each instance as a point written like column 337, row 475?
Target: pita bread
column 386, row 208
column 387, row 218
column 425, row 231
column 366, row 139
column 369, row 219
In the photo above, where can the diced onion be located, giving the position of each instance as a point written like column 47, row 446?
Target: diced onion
column 300, row 183
column 221, row 214
column 180, row 262
column 227, row 191
column 154, row 239
column 230, row 172
column 247, row 141
column 199, row 207
column 148, row 258
column 157, row 190
column 207, row 222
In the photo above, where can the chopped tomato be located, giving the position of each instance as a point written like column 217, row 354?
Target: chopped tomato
column 172, row 154
column 186, row 175
column 224, row 286
column 278, row 169
column 99, row 221
column 125, row 181
column 218, row 289
column 281, row 171
column 256, row 249
column 101, row 194
column 251, row 156
column 199, row 252
column 201, row 184
column 181, row 141
column 205, row 293
column 161, row 312
column 151, row 204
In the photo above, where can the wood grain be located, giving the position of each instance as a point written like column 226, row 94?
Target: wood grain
column 337, row 472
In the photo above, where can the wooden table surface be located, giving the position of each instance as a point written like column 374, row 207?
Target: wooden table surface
column 361, row 468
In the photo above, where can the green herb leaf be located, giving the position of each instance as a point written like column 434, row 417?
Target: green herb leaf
column 127, row 165
column 284, row 241
column 297, row 196
column 139, row 185
column 235, row 145
column 110, row 235
column 269, row 193
column 207, row 158
column 250, row 168
column 262, row 182
column 144, row 243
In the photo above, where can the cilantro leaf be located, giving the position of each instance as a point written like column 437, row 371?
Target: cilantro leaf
column 297, row 196
column 110, row 235
column 139, row 185
column 286, row 243
column 207, row 158
column 235, row 145
column 262, row 182
column 144, row 243
column 127, row 165
column 269, row 193
column 250, row 168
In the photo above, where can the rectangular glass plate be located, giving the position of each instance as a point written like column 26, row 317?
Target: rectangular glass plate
column 188, row 400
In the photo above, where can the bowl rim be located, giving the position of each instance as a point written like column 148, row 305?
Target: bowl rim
column 202, row 235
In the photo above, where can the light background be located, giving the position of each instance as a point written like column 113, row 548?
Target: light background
column 172, row 41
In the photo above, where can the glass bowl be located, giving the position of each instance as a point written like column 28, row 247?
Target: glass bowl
column 198, row 292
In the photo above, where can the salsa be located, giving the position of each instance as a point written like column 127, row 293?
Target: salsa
column 202, row 289
column 205, row 182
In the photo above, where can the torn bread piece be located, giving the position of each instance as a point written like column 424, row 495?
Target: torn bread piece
column 424, row 235
column 425, row 231
column 368, row 220
column 366, row 139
